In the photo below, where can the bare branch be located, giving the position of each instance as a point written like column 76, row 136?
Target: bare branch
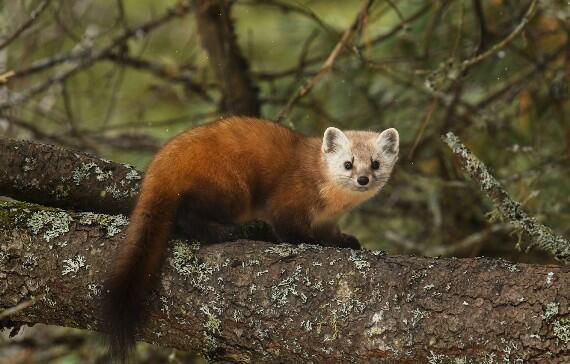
column 497, row 47
column 91, row 55
column 297, row 8
column 19, row 307
column 327, row 65
column 35, row 14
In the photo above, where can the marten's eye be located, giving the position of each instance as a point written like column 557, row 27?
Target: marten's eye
column 375, row 164
column 348, row 165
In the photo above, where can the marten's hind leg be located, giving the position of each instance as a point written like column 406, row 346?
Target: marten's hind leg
column 290, row 229
column 329, row 234
column 206, row 218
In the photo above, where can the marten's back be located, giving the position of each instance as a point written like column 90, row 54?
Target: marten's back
column 239, row 157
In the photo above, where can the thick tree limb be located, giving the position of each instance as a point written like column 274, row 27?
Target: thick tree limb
column 541, row 236
column 250, row 301
column 60, row 177
column 216, row 30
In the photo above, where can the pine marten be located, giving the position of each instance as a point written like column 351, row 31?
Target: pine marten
column 232, row 171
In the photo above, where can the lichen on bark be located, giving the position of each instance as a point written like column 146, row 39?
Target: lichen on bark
column 541, row 236
column 253, row 301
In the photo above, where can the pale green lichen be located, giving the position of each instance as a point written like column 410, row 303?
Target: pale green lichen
column 115, row 191
column 212, row 323
column 550, row 311
column 30, row 261
column 95, row 290
column 286, row 287
column 72, row 265
column 56, row 223
column 359, row 262
column 417, row 316
column 83, row 171
column 48, row 301
column 210, row 343
column 285, row 250
column 434, row 358
column 133, row 174
column 562, row 329
column 549, row 278
column 347, row 302
column 260, row 273
column 113, row 224
column 512, row 268
column 307, row 325
column 120, row 192
column 29, row 164
column 185, row 262
column 379, row 253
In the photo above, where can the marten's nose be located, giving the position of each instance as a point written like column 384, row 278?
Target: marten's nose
column 362, row 180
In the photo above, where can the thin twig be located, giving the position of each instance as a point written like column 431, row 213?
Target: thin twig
column 484, row 34
column 525, row 20
column 422, row 128
column 321, row 58
column 467, row 242
column 294, row 8
column 541, row 236
column 28, row 23
column 161, row 70
column 327, row 65
column 19, row 307
column 93, row 55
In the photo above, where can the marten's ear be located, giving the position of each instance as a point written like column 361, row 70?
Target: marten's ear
column 389, row 141
column 334, row 140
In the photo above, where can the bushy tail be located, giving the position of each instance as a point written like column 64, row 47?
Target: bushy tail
column 135, row 271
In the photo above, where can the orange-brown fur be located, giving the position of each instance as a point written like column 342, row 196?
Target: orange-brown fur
column 232, row 170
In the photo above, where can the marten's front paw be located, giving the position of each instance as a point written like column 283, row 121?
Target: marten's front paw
column 349, row 241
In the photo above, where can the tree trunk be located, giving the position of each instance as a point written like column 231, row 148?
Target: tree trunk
column 216, row 30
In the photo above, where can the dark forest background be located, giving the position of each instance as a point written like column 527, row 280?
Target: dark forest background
column 118, row 78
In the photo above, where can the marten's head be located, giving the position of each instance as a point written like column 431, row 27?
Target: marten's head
column 360, row 160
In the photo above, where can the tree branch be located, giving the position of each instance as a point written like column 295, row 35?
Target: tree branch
column 251, row 301
column 56, row 176
column 541, row 236
column 308, row 85
column 89, row 56
column 36, row 13
column 495, row 48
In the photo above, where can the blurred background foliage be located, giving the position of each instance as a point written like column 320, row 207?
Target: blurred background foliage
column 409, row 65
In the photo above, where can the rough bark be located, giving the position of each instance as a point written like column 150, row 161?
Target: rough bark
column 60, row 177
column 216, row 30
column 251, row 301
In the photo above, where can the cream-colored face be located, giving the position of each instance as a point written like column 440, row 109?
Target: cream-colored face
column 360, row 160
